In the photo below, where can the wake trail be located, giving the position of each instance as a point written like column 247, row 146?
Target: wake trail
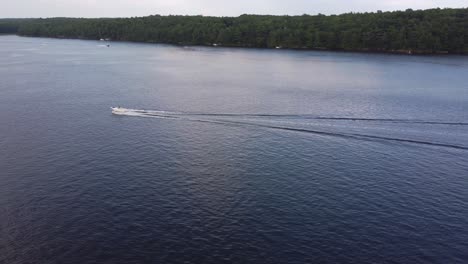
column 303, row 116
column 342, row 135
column 171, row 115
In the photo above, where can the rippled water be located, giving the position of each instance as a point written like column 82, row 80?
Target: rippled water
column 230, row 155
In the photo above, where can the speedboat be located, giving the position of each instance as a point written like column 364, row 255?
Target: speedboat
column 117, row 110
column 126, row 111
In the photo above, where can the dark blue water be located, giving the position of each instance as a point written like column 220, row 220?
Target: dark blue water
column 263, row 156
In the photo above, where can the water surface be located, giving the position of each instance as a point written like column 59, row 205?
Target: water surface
column 261, row 156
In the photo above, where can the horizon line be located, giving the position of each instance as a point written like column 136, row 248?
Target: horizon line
column 245, row 14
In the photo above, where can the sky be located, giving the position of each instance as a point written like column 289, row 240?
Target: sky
column 129, row 8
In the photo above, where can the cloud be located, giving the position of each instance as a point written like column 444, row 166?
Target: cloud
column 127, row 8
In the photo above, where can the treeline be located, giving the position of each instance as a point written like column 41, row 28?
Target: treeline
column 10, row 26
column 410, row 31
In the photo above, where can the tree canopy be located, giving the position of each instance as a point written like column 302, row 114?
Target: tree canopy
column 410, row 31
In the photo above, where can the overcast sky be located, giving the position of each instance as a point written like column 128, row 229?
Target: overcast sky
column 128, row 8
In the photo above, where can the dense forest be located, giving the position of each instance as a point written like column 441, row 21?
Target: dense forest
column 410, row 31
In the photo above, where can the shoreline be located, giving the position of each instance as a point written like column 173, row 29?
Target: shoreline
column 208, row 45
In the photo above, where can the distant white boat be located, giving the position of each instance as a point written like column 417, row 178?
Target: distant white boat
column 118, row 110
